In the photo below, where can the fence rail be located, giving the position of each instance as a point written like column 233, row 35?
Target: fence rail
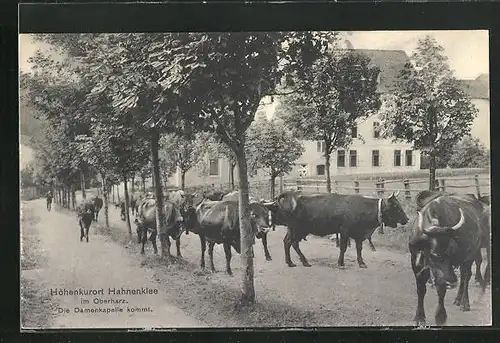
column 474, row 184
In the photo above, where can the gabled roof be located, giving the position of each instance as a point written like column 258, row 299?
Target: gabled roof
column 390, row 62
column 478, row 88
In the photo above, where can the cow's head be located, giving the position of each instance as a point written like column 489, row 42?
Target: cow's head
column 440, row 244
column 261, row 218
column 393, row 214
column 287, row 202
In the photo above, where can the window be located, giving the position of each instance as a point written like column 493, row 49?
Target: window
column 376, row 129
column 320, row 169
column 397, row 158
column 354, row 131
column 341, row 158
column 352, row 158
column 214, row 167
column 320, row 146
column 375, row 158
column 409, row 157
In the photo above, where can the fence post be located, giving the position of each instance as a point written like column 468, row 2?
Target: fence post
column 406, row 183
column 298, row 185
column 478, row 191
column 436, row 185
column 356, row 186
column 442, row 187
column 380, row 187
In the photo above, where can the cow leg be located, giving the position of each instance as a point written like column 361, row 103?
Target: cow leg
column 154, row 233
column 458, row 299
column 348, row 242
column 142, row 235
column 337, row 242
column 227, row 251
column 264, row 244
column 421, row 277
column 344, row 238
column 359, row 248
column 178, row 246
column 81, row 231
column 441, row 315
column 211, row 255
column 479, row 277
column 203, row 248
column 465, row 275
column 87, row 233
column 287, row 242
column 371, row 244
column 302, row 258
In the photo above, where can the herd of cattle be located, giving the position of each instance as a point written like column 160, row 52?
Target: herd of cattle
column 448, row 231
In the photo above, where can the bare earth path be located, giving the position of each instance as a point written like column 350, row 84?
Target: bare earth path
column 71, row 264
column 322, row 295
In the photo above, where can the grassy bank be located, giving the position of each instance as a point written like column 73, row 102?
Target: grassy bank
column 35, row 304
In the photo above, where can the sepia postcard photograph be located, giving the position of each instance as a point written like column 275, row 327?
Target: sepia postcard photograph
column 254, row 179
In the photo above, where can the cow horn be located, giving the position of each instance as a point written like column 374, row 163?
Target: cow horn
column 420, row 220
column 268, row 203
column 460, row 222
column 395, row 194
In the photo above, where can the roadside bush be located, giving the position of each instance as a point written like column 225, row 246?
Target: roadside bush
column 469, row 153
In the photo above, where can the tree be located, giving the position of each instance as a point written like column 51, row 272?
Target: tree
column 27, row 176
column 277, row 149
column 469, row 152
column 182, row 152
column 338, row 88
column 427, row 107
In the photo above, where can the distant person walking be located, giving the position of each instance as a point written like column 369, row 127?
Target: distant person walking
column 49, row 200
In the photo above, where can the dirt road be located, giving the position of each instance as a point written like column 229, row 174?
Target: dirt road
column 322, row 295
column 71, row 265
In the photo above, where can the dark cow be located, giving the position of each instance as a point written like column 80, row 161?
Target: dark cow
column 85, row 213
column 448, row 232
column 146, row 223
column 97, row 206
column 483, row 205
column 218, row 223
column 353, row 216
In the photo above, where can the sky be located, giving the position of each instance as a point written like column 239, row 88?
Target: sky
column 467, row 50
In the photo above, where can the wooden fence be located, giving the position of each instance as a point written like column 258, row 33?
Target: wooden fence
column 473, row 184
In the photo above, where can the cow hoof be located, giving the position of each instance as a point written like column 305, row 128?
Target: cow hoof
column 362, row 265
column 373, row 249
column 268, row 258
column 306, row 264
column 419, row 321
column 142, row 252
column 465, row 308
column 230, row 273
column 441, row 318
column 291, row 264
column 457, row 302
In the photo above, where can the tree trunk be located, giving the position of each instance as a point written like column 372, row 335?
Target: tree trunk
column 432, row 172
column 82, row 184
column 106, row 201
column 133, row 186
column 127, row 210
column 328, row 179
column 143, row 184
column 73, row 197
column 183, row 179
column 273, row 187
column 118, row 192
column 247, row 236
column 231, row 174
column 113, row 189
column 281, row 185
column 160, row 215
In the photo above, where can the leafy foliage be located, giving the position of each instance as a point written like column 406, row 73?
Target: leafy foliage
column 427, row 107
column 469, row 152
